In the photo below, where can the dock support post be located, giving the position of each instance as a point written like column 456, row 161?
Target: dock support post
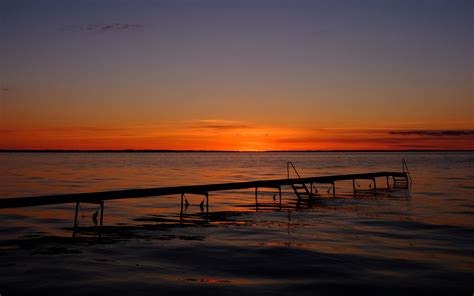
column 75, row 220
column 279, row 191
column 207, row 203
column 388, row 184
column 354, row 187
column 375, row 186
column 333, row 189
column 181, row 211
column 101, row 213
column 256, row 198
column 75, row 215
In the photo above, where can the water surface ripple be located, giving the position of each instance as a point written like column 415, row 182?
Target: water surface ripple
column 396, row 242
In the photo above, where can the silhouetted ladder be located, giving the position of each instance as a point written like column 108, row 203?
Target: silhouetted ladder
column 405, row 180
column 300, row 188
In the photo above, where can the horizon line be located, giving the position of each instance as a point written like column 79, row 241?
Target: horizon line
column 216, row 151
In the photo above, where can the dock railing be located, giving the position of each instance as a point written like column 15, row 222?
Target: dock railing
column 406, row 170
column 288, row 164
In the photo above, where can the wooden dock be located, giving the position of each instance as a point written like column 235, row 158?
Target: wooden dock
column 299, row 186
column 97, row 197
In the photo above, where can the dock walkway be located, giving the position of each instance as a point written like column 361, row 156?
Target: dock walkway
column 100, row 197
column 299, row 186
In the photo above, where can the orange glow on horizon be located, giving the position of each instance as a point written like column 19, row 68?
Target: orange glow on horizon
column 230, row 136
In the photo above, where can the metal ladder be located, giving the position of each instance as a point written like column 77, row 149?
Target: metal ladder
column 300, row 189
column 403, row 182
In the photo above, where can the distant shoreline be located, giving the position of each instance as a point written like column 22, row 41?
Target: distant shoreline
column 219, row 151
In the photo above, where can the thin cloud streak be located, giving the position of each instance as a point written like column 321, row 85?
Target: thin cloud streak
column 436, row 133
column 217, row 124
column 103, row 27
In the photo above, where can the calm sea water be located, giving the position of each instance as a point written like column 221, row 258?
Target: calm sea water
column 395, row 242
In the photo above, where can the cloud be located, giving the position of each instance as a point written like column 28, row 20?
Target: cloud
column 436, row 133
column 335, row 139
column 215, row 124
column 103, row 27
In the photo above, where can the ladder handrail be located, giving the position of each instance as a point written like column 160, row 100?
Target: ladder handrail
column 294, row 169
column 309, row 193
column 405, row 167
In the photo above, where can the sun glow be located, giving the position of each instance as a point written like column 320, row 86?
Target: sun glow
column 229, row 135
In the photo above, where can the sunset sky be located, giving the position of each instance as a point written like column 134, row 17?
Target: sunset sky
column 236, row 74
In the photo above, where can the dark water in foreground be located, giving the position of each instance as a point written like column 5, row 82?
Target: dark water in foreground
column 416, row 242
